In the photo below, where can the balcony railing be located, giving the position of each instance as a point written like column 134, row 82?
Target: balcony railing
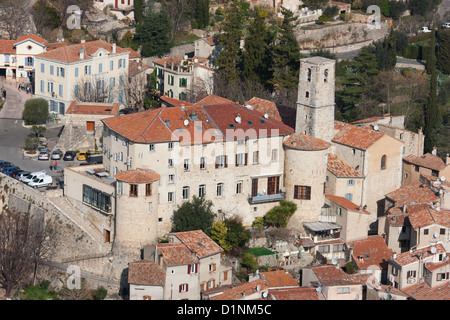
column 266, row 198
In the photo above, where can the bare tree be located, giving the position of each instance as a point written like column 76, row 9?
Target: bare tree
column 14, row 18
column 94, row 89
column 179, row 13
column 25, row 241
column 136, row 89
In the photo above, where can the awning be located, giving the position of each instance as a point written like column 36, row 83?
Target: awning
column 321, row 226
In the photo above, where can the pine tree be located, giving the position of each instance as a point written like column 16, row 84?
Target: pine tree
column 228, row 61
column 286, row 54
column 256, row 56
column 433, row 116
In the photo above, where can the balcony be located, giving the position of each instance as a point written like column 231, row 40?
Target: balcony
column 266, row 198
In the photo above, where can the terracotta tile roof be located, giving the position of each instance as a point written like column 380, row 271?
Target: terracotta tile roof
column 71, row 52
column 422, row 291
column 396, row 217
column 432, row 266
column 300, row 293
column 211, row 124
column 329, row 275
column 33, row 37
column 93, row 108
column 137, row 176
column 242, row 290
column 415, row 192
column 212, row 41
column 354, row 136
column 279, row 278
column 146, row 273
column 341, row 169
column 7, row 46
column 405, row 258
column 213, row 99
column 373, row 251
column 176, row 254
column 175, row 61
column 345, row 203
column 281, row 113
column 390, row 289
column 428, row 160
column 55, row 45
column 301, row 141
column 423, row 215
column 134, row 68
column 172, row 102
column 199, row 243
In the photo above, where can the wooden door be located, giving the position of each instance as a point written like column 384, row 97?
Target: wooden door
column 254, row 187
column 90, row 125
column 271, row 185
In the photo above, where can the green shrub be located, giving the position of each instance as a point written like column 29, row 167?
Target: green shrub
column 36, row 111
column 100, row 293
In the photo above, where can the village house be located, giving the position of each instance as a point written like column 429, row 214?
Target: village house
column 17, row 57
column 207, row 47
column 93, row 71
column 428, row 266
column 184, row 78
column 255, row 290
column 428, row 164
column 120, row 8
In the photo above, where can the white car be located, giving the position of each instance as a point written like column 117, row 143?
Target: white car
column 33, row 176
column 44, row 154
column 424, row 30
column 41, row 181
column 446, row 25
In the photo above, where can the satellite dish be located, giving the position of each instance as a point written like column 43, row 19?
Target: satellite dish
column 248, row 106
column 442, row 178
column 375, row 127
column 435, row 235
column 388, row 296
column 264, row 295
column 433, row 250
column 182, row 107
column 266, row 115
column 334, row 261
column 186, row 122
column 258, row 288
column 237, row 119
column 319, row 289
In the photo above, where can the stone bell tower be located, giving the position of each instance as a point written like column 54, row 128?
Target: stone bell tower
column 315, row 104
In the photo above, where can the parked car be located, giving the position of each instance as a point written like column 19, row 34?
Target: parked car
column 44, row 154
column 14, row 172
column 41, row 181
column 33, row 175
column 69, row 156
column 21, row 174
column 8, row 170
column 82, row 156
column 424, row 30
column 6, row 165
column 445, row 25
column 56, row 154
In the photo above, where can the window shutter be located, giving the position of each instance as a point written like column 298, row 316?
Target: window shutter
column 226, row 161
column 246, row 158
column 237, row 160
column 187, row 287
column 296, row 192
column 196, row 267
column 179, row 288
column 189, row 268
column 217, row 162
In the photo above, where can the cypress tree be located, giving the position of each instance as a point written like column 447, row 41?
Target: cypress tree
column 286, row 54
column 433, row 116
column 229, row 58
column 443, row 52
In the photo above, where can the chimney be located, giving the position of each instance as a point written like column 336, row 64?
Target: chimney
column 81, row 54
column 83, row 41
column 434, row 151
column 113, row 48
column 447, row 160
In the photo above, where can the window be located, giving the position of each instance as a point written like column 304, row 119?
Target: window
column 307, row 94
column 323, row 249
column 212, row 267
column 185, row 193
column 201, row 190
column 349, row 196
column 111, row 65
column 61, row 72
column 442, row 231
column 148, row 189
column 42, row 66
column 383, row 162
column 112, row 82
column 275, row 155
column 338, row 247
column 202, row 163
column 100, row 67
column 42, row 85
column 87, row 70
column 186, row 165
column 192, row 268
column 170, row 163
column 350, row 182
column 411, row 274
column 171, row 178
column 170, row 197
column 151, row 147
column 170, row 145
column 442, row 276
column 183, row 82
column 221, row 162
column 133, row 190
column 119, row 188
column 149, row 207
column 52, row 70
column 435, row 173
column 61, row 91
column 7, row 61
column 219, row 189
column 343, row 290
column 184, row 287
column 96, row 198
column 29, row 61
column 239, row 186
column 416, row 168
column 241, row 159
column 325, row 75
column 76, row 72
column 308, row 78
column 255, row 157
column 425, row 231
column 302, row 192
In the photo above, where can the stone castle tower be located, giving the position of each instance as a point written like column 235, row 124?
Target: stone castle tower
column 306, row 150
column 315, row 104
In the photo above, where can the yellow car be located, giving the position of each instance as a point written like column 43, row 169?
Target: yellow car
column 82, row 156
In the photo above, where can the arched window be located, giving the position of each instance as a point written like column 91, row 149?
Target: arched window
column 383, row 162
column 325, row 75
column 309, row 75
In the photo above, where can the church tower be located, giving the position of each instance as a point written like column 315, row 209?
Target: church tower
column 315, row 104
